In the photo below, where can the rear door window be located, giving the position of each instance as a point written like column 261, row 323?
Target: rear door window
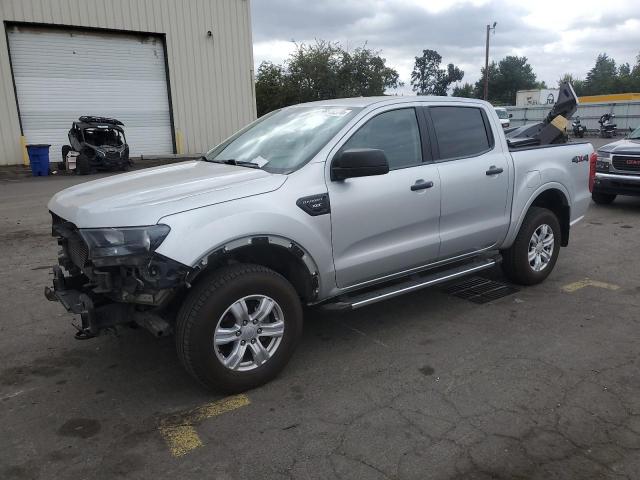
column 461, row 131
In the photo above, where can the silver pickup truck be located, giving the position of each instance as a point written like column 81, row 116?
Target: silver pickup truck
column 342, row 203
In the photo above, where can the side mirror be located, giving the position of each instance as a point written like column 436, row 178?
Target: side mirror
column 359, row 162
column 511, row 115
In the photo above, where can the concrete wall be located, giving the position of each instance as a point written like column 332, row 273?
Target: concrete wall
column 211, row 78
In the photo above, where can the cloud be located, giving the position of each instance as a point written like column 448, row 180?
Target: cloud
column 556, row 38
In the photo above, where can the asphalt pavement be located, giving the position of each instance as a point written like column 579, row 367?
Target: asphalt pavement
column 540, row 384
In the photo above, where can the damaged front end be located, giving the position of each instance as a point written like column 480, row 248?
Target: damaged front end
column 114, row 277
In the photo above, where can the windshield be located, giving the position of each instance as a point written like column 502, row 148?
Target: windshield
column 103, row 137
column 635, row 135
column 502, row 114
column 284, row 140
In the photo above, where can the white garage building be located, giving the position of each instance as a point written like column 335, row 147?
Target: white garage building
column 177, row 73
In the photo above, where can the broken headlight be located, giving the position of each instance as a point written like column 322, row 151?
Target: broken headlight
column 122, row 242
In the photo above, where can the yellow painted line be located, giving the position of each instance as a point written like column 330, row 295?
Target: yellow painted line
column 181, row 439
column 178, row 430
column 587, row 282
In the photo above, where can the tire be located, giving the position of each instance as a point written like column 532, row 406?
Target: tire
column 516, row 264
column 65, row 150
column 82, row 165
column 603, row 198
column 207, row 309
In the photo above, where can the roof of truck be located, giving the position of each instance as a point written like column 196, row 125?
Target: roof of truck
column 387, row 100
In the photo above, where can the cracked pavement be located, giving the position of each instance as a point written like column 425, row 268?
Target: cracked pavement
column 542, row 384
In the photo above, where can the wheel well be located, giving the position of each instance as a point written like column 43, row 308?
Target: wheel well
column 554, row 200
column 286, row 261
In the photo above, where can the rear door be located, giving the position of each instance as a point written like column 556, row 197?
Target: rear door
column 475, row 176
column 385, row 224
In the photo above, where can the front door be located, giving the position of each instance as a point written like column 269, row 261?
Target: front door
column 380, row 224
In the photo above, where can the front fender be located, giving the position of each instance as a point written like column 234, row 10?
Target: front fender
column 195, row 234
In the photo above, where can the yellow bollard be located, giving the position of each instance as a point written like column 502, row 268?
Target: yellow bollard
column 23, row 146
column 179, row 142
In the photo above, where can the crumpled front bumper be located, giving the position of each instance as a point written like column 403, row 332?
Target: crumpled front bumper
column 76, row 298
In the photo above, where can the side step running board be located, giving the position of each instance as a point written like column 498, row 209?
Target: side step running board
column 355, row 301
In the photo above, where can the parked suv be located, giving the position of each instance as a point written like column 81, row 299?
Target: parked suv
column 341, row 203
column 618, row 169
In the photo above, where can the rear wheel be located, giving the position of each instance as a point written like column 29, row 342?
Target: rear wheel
column 238, row 328
column 533, row 255
column 603, row 198
column 65, row 151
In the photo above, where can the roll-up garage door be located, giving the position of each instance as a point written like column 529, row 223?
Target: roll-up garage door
column 62, row 74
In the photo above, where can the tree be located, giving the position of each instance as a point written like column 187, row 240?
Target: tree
column 273, row 88
column 364, row 73
column 506, row 78
column 605, row 77
column 466, row 91
column 428, row 78
column 578, row 85
column 494, row 73
column 321, row 71
column 602, row 77
column 515, row 74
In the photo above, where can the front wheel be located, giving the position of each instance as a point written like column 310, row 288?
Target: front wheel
column 603, row 198
column 533, row 255
column 83, row 166
column 238, row 327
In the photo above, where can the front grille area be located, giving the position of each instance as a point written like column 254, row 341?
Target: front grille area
column 73, row 245
column 626, row 163
column 77, row 250
column 112, row 156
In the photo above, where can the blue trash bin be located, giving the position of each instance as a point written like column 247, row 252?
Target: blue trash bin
column 39, row 159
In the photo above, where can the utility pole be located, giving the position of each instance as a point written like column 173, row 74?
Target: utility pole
column 486, row 61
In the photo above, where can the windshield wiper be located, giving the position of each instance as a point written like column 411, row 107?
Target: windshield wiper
column 232, row 161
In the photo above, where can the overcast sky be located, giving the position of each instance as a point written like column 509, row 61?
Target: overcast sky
column 557, row 36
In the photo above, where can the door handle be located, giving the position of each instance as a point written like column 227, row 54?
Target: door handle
column 493, row 170
column 421, row 185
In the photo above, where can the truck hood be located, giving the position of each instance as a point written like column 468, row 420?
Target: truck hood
column 625, row 146
column 143, row 197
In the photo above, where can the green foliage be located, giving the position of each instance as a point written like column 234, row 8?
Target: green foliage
column 272, row 88
column 322, row 71
column 605, row 77
column 466, row 91
column 364, row 73
column 428, row 78
column 506, row 78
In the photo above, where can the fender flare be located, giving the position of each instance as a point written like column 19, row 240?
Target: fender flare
column 260, row 239
column 513, row 231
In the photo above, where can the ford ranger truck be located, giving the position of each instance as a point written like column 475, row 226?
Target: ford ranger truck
column 342, row 203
